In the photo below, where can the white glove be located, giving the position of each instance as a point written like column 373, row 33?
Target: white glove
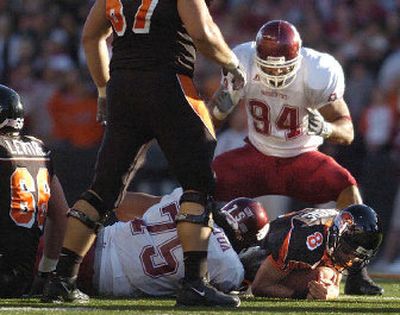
column 317, row 126
column 238, row 73
column 223, row 102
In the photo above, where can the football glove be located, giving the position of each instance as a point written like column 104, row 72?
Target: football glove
column 101, row 114
column 238, row 73
column 222, row 103
column 317, row 126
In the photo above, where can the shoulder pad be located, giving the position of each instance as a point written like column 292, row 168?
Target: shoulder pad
column 321, row 68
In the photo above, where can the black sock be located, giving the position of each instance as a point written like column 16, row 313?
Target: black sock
column 68, row 264
column 195, row 265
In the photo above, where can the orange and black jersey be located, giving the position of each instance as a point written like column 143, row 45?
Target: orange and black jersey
column 25, row 176
column 298, row 240
column 149, row 35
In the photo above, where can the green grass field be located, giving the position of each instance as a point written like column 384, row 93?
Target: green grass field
column 389, row 303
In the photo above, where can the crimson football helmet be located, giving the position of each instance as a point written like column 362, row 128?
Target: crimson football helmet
column 245, row 221
column 354, row 237
column 278, row 55
column 11, row 110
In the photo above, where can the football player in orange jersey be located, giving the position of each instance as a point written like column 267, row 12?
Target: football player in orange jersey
column 301, row 246
column 32, row 201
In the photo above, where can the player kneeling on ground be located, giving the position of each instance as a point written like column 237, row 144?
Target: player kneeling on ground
column 308, row 250
column 32, row 201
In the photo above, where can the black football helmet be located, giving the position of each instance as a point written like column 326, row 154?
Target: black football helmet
column 278, row 57
column 354, row 237
column 245, row 222
column 11, row 110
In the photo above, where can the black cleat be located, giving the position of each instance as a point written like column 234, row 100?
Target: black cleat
column 357, row 285
column 201, row 293
column 59, row 290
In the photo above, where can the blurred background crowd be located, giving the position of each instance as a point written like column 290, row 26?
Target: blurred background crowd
column 41, row 58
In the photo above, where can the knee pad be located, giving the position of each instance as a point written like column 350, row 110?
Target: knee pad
column 200, row 198
column 85, row 219
column 96, row 203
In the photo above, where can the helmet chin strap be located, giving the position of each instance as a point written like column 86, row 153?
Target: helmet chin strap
column 277, row 83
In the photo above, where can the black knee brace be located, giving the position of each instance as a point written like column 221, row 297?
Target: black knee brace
column 197, row 197
column 96, row 203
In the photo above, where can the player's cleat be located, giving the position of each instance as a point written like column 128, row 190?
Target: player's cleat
column 201, row 293
column 59, row 290
column 362, row 285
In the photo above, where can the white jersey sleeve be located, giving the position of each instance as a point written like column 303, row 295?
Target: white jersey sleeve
column 144, row 256
column 324, row 81
column 225, row 268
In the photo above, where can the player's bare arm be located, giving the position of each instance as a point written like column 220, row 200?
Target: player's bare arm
column 205, row 33
column 95, row 31
column 335, row 122
column 54, row 230
column 55, row 226
column 208, row 39
column 134, row 205
column 268, row 281
column 338, row 115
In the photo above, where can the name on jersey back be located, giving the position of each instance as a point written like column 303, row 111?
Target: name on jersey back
column 18, row 147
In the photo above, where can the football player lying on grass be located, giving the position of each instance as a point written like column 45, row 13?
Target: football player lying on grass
column 141, row 254
column 306, row 251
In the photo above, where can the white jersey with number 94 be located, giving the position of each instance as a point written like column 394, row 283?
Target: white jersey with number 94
column 277, row 118
column 144, row 256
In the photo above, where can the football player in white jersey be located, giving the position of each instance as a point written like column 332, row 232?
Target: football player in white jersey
column 141, row 254
column 294, row 101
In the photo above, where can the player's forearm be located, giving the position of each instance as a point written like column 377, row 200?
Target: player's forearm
column 53, row 239
column 205, row 33
column 97, row 59
column 213, row 46
column 56, row 221
column 342, row 131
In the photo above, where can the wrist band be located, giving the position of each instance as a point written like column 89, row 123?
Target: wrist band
column 101, row 91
